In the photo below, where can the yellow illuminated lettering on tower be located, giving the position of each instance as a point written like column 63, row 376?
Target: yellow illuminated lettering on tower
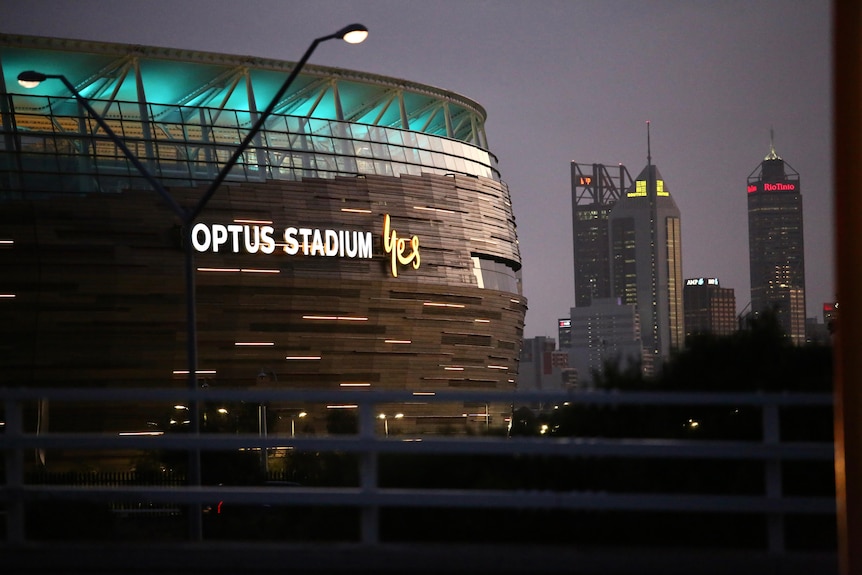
column 640, row 189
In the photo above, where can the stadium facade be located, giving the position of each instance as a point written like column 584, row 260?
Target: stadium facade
column 364, row 239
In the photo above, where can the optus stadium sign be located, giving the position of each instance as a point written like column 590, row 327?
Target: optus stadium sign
column 262, row 238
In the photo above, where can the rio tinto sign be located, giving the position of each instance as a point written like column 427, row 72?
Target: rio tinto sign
column 772, row 187
column 261, row 238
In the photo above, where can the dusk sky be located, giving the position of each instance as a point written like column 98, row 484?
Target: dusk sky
column 562, row 81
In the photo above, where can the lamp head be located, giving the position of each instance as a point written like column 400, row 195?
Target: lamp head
column 353, row 34
column 31, row 79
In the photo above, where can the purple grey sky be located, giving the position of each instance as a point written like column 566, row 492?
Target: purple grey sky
column 562, row 81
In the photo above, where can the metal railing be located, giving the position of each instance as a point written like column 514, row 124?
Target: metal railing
column 368, row 446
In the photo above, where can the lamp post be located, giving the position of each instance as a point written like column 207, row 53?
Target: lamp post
column 353, row 34
column 300, row 415
column 386, row 421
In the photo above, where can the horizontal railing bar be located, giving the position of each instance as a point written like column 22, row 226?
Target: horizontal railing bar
column 564, row 446
column 436, row 498
column 369, row 396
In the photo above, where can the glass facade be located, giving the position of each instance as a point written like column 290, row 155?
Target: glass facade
column 182, row 153
column 674, row 287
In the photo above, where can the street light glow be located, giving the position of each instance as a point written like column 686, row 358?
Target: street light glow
column 31, row 79
column 353, row 34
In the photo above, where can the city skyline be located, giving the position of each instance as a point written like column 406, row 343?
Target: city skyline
column 712, row 79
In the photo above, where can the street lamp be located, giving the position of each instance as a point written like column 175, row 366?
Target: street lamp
column 353, row 34
column 386, row 421
column 300, row 415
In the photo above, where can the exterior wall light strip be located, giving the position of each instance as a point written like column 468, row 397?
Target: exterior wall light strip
column 259, row 271
column 492, row 242
column 397, row 341
column 356, row 210
column 334, row 318
column 7, row 295
column 429, row 209
column 482, row 320
column 453, row 368
column 197, row 371
column 253, row 343
column 6, row 242
column 141, row 433
column 438, row 304
column 254, row 222
column 498, row 367
column 358, row 384
column 302, row 357
column 235, row 270
column 424, row 393
column 349, row 406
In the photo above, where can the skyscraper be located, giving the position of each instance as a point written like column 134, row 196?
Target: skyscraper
column 709, row 308
column 775, row 244
column 595, row 189
column 646, row 261
column 605, row 331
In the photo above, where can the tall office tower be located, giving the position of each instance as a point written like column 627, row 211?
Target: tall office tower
column 595, row 189
column 605, row 331
column 709, row 308
column 775, row 244
column 646, row 261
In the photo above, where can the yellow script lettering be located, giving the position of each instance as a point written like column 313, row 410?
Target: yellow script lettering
column 396, row 248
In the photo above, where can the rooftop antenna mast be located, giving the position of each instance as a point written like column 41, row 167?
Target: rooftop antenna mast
column 648, row 153
column 772, row 155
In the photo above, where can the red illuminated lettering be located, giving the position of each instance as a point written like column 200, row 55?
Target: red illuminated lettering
column 751, row 188
column 778, row 187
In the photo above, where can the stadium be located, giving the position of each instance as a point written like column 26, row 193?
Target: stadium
column 365, row 239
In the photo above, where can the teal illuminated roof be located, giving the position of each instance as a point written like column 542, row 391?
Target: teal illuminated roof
column 152, row 76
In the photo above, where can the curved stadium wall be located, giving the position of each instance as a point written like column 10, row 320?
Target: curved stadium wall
column 299, row 283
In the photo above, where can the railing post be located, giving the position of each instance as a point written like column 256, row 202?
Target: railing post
column 14, row 431
column 774, row 491
column 370, row 513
